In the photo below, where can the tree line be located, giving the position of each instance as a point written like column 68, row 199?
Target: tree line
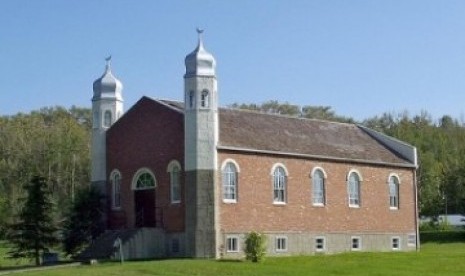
column 53, row 143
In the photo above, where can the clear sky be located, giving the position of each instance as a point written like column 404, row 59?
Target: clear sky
column 362, row 58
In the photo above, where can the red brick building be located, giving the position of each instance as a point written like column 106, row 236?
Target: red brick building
column 204, row 176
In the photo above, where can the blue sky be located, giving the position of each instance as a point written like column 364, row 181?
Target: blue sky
column 362, row 58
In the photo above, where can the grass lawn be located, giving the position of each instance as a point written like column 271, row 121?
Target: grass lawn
column 434, row 259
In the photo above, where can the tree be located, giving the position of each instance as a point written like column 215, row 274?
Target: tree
column 83, row 222
column 34, row 233
column 53, row 142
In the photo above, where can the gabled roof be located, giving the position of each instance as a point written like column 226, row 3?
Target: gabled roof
column 250, row 131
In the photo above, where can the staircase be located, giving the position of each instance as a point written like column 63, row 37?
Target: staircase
column 138, row 243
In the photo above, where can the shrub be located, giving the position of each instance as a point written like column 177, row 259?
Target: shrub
column 255, row 247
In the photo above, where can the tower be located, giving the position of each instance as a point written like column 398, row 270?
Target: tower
column 107, row 107
column 201, row 138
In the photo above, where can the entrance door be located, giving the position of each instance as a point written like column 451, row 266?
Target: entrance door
column 145, row 208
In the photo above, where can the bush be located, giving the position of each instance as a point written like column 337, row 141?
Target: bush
column 255, row 247
column 442, row 236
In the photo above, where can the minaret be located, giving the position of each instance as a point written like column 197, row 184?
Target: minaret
column 201, row 138
column 107, row 107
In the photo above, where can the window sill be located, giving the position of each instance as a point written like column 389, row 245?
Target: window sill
column 279, row 203
column 354, row 206
column 177, row 202
column 229, row 201
column 319, row 205
column 394, row 208
column 113, row 208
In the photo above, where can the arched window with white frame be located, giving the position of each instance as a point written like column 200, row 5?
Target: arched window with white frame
column 279, row 184
column 230, row 173
column 144, row 179
column 393, row 191
column 174, row 170
column 318, row 187
column 115, row 178
column 353, row 189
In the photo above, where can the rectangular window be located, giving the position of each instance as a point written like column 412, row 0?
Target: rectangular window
column 281, row 244
column 320, row 244
column 412, row 240
column 232, row 244
column 356, row 243
column 395, row 241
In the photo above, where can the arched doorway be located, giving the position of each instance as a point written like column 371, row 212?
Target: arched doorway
column 144, row 184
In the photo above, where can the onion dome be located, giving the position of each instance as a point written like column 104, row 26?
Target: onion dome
column 200, row 62
column 107, row 86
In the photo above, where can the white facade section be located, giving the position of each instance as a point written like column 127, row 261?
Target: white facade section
column 201, row 115
column 107, row 107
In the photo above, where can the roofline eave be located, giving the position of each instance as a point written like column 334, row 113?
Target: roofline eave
column 314, row 156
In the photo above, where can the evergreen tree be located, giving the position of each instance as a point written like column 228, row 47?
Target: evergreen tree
column 83, row 222
column 34, row 233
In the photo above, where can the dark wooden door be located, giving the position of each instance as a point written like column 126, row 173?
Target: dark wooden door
column 145, row 208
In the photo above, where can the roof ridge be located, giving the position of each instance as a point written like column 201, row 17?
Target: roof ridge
column 287, row 116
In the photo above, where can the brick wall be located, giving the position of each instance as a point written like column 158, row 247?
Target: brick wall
column 255, row 210
column 149, row 135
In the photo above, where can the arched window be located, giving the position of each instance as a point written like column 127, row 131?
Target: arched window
column 230, row 176
column 107, row 118
column 144, row 179
column 174, row 169
column 205, row 99
column 318, row 187
column 115, row 179
column 191, row 99
column 353, row 184
column 393, row 192
column 279, row 185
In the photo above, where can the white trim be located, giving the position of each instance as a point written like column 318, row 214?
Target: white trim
column 236, row 167
column 286, row 174
column 399, row 243
column 316, row 243
column 354, row 171
column 172, row 164
column 113, row 190
column 278, row 165
column 320, row 157
column 318, row 168
column 314, row 170
column 395, row 175
column 286, row 244
column 139, row 173
column 352, row 243
column 389, row 191
column 169, row 169
column 226, row 161
column 236, row 237
column 360, row 180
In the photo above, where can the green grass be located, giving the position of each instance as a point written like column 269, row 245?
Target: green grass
column 434, row 259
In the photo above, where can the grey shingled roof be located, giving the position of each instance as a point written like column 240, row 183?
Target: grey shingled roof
column 261, row 132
